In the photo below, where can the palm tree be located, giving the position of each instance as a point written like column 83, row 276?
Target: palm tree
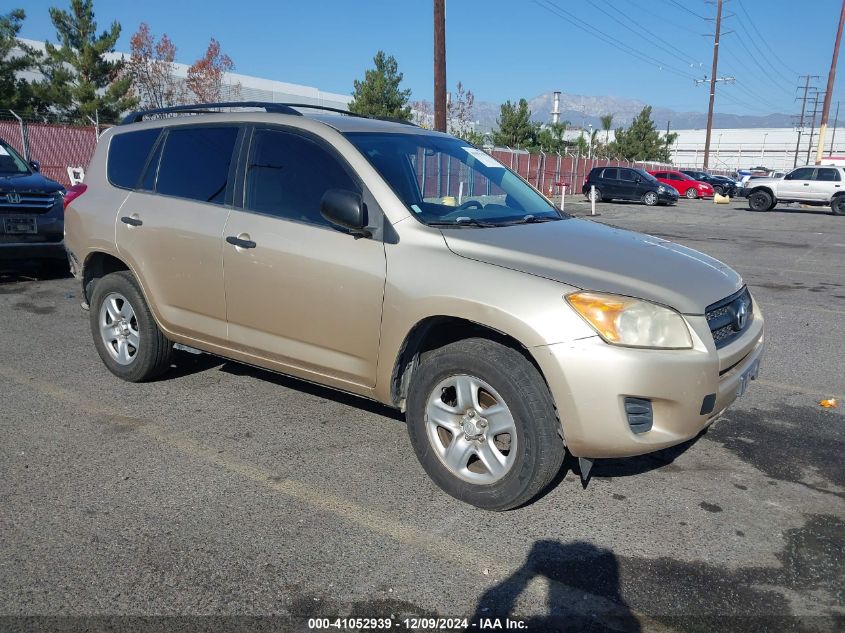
column 606, row 123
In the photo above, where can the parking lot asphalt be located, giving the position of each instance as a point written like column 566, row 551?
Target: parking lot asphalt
column 230, row 491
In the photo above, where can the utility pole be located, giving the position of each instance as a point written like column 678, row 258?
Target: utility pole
column 829, row 93
column 440, row 65
column 807, row 79
column 835, row 122
column 713, row 83
column 813, row 125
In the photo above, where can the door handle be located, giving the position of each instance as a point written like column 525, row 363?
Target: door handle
column 240, row 242
column 806, row 184
column 131, row 221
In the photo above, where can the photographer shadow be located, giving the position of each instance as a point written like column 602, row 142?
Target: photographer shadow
column 583, row 591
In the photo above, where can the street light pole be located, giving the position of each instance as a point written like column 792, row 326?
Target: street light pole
column 763, row 149
column 830, row 79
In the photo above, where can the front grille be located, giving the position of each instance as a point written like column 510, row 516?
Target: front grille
column 725, row 317
column 15, row 202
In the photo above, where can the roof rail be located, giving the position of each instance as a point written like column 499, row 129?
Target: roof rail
column 202, row 108
column 278, row 108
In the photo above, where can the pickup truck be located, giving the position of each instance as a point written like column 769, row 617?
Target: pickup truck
column 818, row 186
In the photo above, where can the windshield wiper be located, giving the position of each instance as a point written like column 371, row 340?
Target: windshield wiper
column 464, row 221
column 533, row 219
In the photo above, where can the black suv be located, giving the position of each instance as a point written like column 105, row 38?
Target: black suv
column 31, row 211
column 627, row 183
column 721, row 184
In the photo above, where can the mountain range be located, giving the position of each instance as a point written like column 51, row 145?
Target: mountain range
column 582, row 110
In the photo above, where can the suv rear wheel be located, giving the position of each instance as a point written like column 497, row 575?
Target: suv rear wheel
column 761, row 201
column 125, row 334
column 483, row 424
column 837, row 205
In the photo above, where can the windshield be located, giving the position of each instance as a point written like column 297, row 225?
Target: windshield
column 11, row 162
column 445, row 181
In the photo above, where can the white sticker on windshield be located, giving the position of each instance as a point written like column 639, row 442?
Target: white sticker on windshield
column 483, row 157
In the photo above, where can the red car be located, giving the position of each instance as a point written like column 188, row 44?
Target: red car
column 685, row 185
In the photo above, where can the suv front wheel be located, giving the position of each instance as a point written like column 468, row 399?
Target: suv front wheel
column 761, row 201
column 483, row 424
column 125, row 334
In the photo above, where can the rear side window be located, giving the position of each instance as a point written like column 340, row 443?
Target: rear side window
column 828, row 174
column 195, row 163
column 611, row 174
column 128, row 154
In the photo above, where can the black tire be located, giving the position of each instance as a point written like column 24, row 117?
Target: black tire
column 691, row 194
column 152, row 356
column 540, row 450
column 837, row 205
column 760, row 201
column 718, row 189
column 650, row 198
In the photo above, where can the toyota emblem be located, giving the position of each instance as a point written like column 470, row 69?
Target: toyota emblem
column 741, row 317
column 13, row 197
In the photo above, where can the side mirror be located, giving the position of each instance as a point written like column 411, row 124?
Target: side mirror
column 346, row 209
column 35, row 165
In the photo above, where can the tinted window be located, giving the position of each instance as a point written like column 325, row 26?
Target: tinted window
column 802, row 173
column 659, row 174
column 288, row 174
column 148, row 182
column 195, row 163
column 127, row 156
column 611, row 174
column 828, row 174
column 675, row 177
column 627, row 174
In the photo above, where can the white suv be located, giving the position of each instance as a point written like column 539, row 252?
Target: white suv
column 820, row 186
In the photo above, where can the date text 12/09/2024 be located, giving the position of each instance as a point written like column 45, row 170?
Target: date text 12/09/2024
column 413, row 624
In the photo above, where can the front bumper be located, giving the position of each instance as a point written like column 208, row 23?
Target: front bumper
column 590, row 379
column 667, row 196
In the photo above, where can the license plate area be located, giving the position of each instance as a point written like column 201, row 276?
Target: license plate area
column 747, row 376
column 20, row 226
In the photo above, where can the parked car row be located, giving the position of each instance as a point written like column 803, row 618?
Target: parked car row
column 663, row 186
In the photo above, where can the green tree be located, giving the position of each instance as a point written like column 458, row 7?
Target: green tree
column 606, row 123
column 79, row 81
column 15, row 93
column 515, row 126
column 378, row 95
column 642, row 141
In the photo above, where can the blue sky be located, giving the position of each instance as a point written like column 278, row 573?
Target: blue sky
column 504, row 49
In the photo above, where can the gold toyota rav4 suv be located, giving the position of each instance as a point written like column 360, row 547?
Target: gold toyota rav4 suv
column 409, row 267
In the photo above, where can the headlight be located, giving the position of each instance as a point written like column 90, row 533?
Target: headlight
column 632, row 322
column 661, row 189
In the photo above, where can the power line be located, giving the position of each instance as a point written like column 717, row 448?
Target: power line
column 756, row 61
column 765, row 40
column 776, row 70
column 688, row 10
column 651, row 38
column 590, row 30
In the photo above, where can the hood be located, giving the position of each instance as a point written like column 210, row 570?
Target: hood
column 592, row 256
column 755, row 182
column 32, row 183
